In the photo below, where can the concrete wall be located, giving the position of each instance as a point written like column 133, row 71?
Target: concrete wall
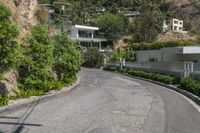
column 170, row 54
column 145, row 55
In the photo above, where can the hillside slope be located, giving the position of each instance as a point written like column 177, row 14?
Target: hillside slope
column 23, row 13
column 188, row 10
column 170, row 36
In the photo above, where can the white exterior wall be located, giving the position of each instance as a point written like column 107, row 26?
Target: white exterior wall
column 191, row 50
column 179, row 25
column 170, row 54
column 74, row 33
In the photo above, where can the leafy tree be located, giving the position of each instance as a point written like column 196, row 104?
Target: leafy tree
column 111, row 26
column 68, row 58
column 9, row 49
column 148, row 26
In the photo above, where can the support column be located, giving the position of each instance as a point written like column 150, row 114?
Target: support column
column 99, row 45
column 92, row 34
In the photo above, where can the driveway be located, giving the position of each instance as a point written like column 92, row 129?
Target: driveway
column 107, row 103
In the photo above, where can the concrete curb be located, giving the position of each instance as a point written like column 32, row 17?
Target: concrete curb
column 189, row 95
column 22, row 103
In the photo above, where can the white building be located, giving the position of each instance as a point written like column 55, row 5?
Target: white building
column 174, row 25
column 86, row 36
column 171, row 54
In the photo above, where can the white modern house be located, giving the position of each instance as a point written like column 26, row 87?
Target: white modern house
column 174, row 25
column 86, row 36
column 171, row 54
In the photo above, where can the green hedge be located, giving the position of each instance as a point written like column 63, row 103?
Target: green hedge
column 154, row 76
column 192, row 85
column 189, row 84
column 148, row 75
column 159, row 45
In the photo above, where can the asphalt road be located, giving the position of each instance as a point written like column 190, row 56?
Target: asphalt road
column 107, row 103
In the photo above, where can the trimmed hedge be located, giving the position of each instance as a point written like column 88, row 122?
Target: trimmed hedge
column 159, row 45
column 189, row 84
column 149, row 75
column 192, row 85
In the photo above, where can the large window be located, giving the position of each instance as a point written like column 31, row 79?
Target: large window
column 85, row 34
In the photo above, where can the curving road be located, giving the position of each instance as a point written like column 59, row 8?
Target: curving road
column 107, row 103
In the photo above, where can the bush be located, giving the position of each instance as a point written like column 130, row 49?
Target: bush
column 42, row 15
column 38, row 59
column 93, row 58
column 158, row 45
column 9, row 49
column 68, row 58
column 148, row 75
column 191, row 85
column 4, row 98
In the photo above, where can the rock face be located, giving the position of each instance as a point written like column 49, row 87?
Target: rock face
column 9, row 82
column 188, row 10
column 23, row 13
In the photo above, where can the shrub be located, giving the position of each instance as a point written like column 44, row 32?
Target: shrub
column 24, row 92
column 4, row 98
column 93, row 58
column 9, row 49
column 110, row 68
column 191, row 85
column 38, row 59
column 158, row 45
column 149, row 75
column 68, row 58
column 42, row 15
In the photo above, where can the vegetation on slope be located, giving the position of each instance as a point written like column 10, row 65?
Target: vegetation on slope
column 43, row 62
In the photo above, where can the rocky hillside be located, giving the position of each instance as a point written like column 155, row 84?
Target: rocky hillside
column 23, row 13
column 188, row 10
column 170, row 36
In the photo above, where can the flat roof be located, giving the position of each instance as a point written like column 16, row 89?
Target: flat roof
column 86, row 27
column 90, row 39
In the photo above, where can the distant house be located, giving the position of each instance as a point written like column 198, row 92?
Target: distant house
column 131, row 15
column 100, row 10
column 174, row 25
column 171, row 54
column 86, row 36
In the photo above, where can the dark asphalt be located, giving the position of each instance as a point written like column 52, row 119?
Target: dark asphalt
column 107, row 103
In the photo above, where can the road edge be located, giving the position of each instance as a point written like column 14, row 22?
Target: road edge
column 189, row 95
column 22, row 103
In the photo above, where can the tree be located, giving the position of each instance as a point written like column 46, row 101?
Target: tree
column 111, row 26
column 67, row 56
column 148, row 26
column 9, row 49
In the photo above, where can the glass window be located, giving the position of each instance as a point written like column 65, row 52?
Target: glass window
column 85, row 34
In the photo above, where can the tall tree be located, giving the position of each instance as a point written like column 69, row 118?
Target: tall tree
column 111, row 26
